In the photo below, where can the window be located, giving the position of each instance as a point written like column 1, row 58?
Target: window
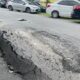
column 68, row 2
column 16, row 1
column 21, row 2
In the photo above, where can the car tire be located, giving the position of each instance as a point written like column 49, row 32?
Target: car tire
column 28, row 10
column 10, row 8
column 55, row 14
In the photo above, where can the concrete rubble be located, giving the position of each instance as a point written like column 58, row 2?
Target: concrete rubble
column 39, row 55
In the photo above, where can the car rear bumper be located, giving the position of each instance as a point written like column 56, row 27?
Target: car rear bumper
column 76, row 14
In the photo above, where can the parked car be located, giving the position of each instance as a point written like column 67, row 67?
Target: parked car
column 76, row 12
column 22, row 5
column 42, row 9
column 3, row 3
column 62, row 8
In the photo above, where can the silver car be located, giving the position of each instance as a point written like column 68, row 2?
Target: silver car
column 22, row 5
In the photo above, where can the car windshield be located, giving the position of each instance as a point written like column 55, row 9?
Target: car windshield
column 69, row 2
column 26, row 1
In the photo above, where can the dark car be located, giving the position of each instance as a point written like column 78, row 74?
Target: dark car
column 3, row 3
column 76, row 12
column 43, row 9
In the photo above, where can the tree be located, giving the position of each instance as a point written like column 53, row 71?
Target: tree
column 47, row 1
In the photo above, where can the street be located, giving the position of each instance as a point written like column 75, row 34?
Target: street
column 35, row 47
column 60, row 26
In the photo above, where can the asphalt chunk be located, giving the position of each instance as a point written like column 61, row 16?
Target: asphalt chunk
column 16, row 63
column 22, row 20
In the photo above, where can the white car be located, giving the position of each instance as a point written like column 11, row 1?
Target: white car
column 22, row 5
column 62, row 8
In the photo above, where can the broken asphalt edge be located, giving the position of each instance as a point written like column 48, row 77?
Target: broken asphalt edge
column 27, row 67
column 17, row 63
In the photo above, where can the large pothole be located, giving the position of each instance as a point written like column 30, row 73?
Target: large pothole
column 16, row 63
column 39, row 55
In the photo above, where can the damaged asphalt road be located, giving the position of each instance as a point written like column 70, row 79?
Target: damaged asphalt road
column 31, row 49
column 39, row 55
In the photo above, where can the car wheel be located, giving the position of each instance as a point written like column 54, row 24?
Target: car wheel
column 28, row 10
column 55, row 14
column 10, row 8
